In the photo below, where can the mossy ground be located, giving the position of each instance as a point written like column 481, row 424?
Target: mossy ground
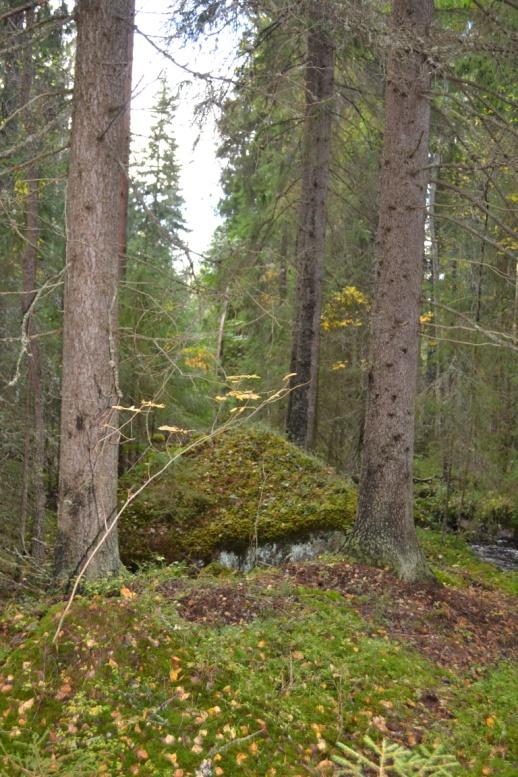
column 241, row 484
column 135, row 688
column 456, row 564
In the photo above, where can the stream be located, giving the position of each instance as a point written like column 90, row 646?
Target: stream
column 502, row 553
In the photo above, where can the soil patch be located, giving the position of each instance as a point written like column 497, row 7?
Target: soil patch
column 457, row 628
column 226, row 604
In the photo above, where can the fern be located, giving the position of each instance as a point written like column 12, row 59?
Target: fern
column 392, row 759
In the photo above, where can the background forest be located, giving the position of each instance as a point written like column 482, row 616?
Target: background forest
column 187, row 322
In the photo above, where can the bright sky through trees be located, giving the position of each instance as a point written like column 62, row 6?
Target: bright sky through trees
column 200, row 169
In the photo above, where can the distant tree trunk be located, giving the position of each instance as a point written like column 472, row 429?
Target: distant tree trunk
column 384, row 529
column 34, row 445
column 302, row 402
column 89, row 438
column 34, row 449
column 124, row 158
column 221, row 330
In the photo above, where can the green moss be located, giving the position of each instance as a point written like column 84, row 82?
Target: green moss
column 456, row 564
column 217, row 496
column 132, row 684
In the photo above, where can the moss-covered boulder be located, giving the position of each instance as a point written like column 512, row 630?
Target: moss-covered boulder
column 241, row 486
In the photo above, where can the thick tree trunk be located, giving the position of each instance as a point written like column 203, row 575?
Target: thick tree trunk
column 89, row 438
column 384, row 529
column 301, row 415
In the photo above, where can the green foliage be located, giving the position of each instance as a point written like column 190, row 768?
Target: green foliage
column 393, row 759
column 31, row 758
column 477, row 512
column 245, row 481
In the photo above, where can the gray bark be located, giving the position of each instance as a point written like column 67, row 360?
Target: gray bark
column 89, row 440
column 384, row 529
column 302, row 402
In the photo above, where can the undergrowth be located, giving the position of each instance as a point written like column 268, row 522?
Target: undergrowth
column 132, row 688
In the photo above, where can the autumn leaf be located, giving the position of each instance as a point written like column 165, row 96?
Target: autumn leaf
column 175, row 673
column 64, row 692
column 126, row 593
column 25, row 705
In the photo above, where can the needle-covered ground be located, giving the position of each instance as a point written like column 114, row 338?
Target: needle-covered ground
column 161, row 671
column 242, row 484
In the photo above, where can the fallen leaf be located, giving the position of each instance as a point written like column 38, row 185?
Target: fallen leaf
column 64, row 692
column 25, row 705
column 174, row 674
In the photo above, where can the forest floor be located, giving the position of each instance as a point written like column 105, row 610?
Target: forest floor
column 263, row 674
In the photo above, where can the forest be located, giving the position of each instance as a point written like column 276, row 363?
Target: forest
column 259, row 497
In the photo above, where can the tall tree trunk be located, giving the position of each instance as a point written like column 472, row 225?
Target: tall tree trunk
column 34, row 453
column 89, row 440
column 34, row 444
column 384, row 529
column 301, row 415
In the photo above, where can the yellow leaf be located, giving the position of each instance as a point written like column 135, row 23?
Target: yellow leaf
column 174, row 674
column 25, row 705
column 240, row 758
column 126, row 593
column 490, row 721
column 238, row 378
column 243, row 396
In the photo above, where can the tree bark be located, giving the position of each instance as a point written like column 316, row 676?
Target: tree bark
column 89, row 437
column 384, row 530
column 34, row 452
column 302, row 402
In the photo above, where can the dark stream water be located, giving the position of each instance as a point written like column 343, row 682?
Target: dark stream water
column 502, row 553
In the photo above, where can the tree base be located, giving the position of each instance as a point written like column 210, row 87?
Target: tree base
column 409, row 564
